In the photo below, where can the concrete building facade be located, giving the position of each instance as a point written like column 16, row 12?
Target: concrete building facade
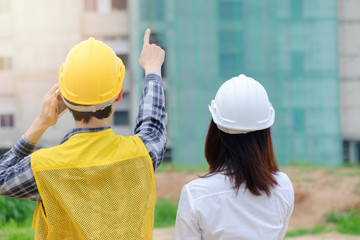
column 314, row 43
column 290, row 46
column 349, row 62
column 35, row 37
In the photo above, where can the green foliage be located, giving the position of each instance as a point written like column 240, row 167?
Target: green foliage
column 347, row 223
column 303, row 231
column 16, row 219
column 18, row 210
column 165, row 213
column 297, row 232
column 351, row 165
column 13, row 231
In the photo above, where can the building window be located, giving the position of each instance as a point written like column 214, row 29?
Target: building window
column 351, row 151
column 159, row 39
column 119, row 4
column 230, row 10
column 7, row 120
column 346, row 147
column 7, row 112
column 121, row 118
column 357, row 152
column 6, row 63
column 124, row 58
column 230, row 50
column 167, row 155
column 90, row 5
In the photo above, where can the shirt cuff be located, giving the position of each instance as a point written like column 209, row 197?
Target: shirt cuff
column 152, row 76
column 23, row 147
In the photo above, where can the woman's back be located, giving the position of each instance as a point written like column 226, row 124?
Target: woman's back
column 244, row 196
column 211, row 209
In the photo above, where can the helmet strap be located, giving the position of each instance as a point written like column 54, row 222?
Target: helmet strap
column 88, row 108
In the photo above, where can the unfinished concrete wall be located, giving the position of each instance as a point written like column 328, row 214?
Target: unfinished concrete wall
column 349, row 65
column 35, row 37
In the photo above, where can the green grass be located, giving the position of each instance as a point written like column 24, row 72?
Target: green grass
column 14, row 231
column 351, row 165
column 303, row 231
column 309, row 166
column 16, row 219
column 347, row 222
column 18, row 210
column 165, row 213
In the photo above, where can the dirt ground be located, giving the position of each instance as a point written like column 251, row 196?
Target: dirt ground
column 317, row 192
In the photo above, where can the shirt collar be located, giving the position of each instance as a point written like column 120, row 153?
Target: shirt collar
column 82, row 130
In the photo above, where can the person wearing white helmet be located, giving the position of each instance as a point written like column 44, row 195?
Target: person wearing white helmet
column 244, row 195
column 95, row 184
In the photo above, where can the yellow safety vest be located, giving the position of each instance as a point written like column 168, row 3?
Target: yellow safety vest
column 95, row 186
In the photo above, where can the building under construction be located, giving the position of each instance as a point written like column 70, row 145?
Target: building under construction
column 302, row 51
column 291, row 47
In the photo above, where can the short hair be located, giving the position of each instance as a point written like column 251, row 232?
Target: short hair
column 245, row 158
column 86, row 116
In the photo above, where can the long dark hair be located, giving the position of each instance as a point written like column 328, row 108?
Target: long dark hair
column 245, row 158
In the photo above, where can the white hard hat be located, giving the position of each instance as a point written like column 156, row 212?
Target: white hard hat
column 242, row 105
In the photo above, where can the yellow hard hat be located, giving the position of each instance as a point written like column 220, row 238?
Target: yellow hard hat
column 91, row 75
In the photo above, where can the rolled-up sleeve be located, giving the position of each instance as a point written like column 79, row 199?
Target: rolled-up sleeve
column 16, row 176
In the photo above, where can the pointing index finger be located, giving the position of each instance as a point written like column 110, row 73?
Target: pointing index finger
column 147, row 36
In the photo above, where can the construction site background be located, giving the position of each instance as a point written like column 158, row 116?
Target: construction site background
column 304, row 52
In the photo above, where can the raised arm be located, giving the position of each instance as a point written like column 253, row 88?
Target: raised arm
column 47, row 118
column 16, row 176
column 152, row 118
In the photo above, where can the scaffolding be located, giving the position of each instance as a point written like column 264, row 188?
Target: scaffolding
column 290, row 46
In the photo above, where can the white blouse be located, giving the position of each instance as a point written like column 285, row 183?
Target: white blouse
column 209, row 209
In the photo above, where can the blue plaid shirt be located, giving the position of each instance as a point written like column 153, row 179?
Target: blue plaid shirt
column 17, row 178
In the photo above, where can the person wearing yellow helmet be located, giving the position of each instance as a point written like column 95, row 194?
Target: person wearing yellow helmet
column 95, row 184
